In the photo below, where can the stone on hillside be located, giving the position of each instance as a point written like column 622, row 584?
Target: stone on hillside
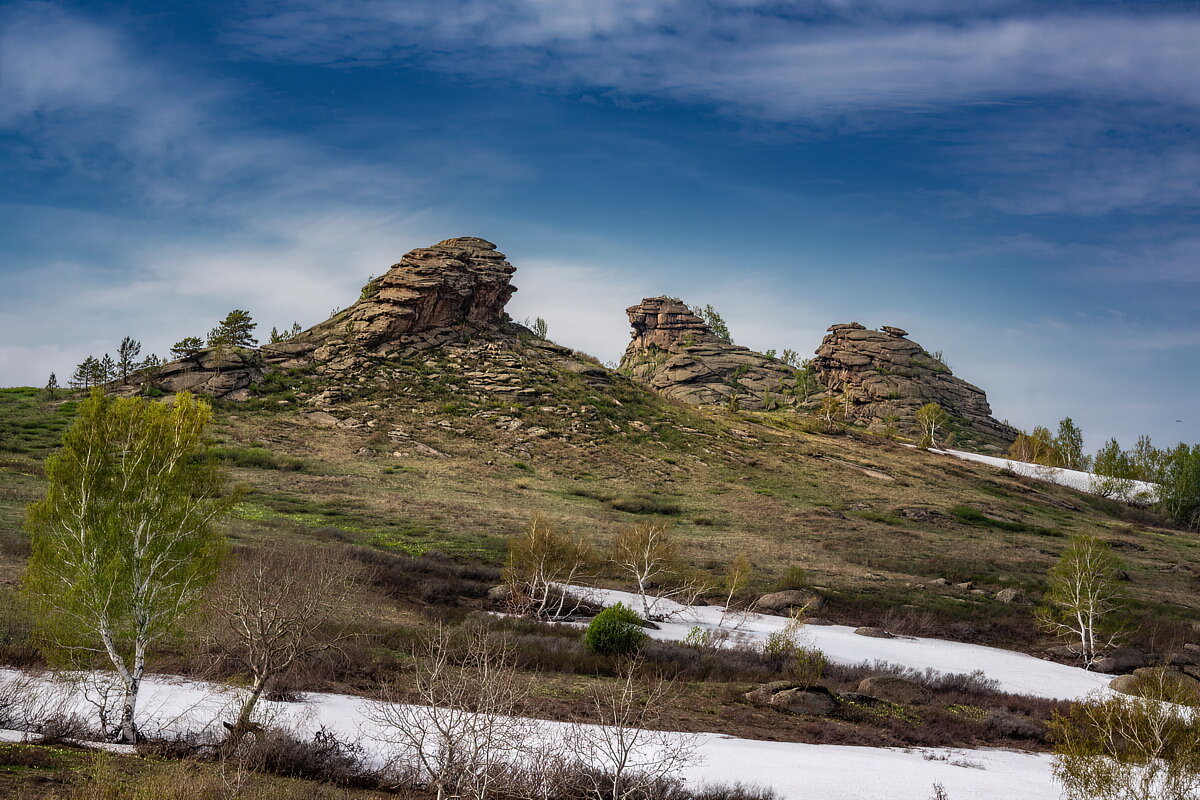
column 677, row 355
column 883, row 378
column 794, row 698
column 1009, row 595
column 893, row 689
column 874, row 633
column 1121, row 660
column 777, row 602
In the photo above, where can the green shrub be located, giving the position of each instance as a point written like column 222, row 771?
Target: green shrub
column 646, row 505
column 794, row 578
column 259, row 458
column 615, row 632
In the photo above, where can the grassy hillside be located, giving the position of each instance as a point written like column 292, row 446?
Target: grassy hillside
column 871, row 521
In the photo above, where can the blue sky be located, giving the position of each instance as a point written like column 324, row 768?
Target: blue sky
column 1015, row 183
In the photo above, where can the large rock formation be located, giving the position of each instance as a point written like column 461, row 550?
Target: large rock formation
column 883, row 377
column 676, row 354
column 440, row 297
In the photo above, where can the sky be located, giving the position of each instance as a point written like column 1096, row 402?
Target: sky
column 1014, row 183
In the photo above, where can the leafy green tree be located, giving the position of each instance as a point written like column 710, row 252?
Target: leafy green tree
column 236, row 330
column 1148, row 461
column 187, row 347
column 124, row 541
column 540, row 328
column 51, row 390
column 1114, row 471
column 1085, row 602
column 1036, row 447
column 715, row 322
column 127, row 354
column 1068, row 444
column 931, row 418
column 1179, row 485
column 1117, row 747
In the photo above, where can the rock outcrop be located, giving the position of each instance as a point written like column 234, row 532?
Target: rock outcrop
column 449, row 297
column 883, row 377
column 677, row 355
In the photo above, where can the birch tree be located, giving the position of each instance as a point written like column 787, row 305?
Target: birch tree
column 623, row 753
column 124, row 542
column 455, row 721
column 1085, row 603
column 650, row 557
column 276, row 608
column 541, row 562
column 931, row 418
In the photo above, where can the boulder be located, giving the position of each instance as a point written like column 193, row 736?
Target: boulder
column 874, row 633
column 1009, row 595
column 794, row 698
column 1121, row 660
column 895, row 690
column 777, row 602
column 500, row 594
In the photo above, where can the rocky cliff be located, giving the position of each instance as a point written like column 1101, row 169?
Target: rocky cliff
column 883, row 377
column 449, row 297
column 677, row 355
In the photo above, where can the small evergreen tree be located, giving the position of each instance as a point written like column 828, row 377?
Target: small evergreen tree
column 236, row 330
column 107, row 370
column 187, row 347
column 51, row 390
column 276, row 337
column 81, row 377
column 127, row 354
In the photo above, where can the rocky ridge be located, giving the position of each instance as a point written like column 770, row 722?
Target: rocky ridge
column 677, row 355
column 883, row 377
column 435, row 317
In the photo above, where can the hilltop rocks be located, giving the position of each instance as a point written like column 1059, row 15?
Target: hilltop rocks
column 677, row 355
column 783, row 601
column 794, row 698
column 458, row 283
column 883, row 378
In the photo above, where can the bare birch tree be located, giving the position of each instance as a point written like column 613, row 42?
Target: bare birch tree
column 623, row 753
column 1085, row 602
column 454, row 723
column 124, row 542
column 276, row 608
column 735, row 580
column 541, row 562
column 650, row 556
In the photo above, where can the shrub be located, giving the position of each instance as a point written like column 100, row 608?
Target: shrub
column 615, row 631
column 794, row 578
column 646, row 505
column 259, row 458
column 809, row 665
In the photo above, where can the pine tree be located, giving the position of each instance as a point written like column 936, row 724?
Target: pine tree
column 51, row 390
column 236, row 330
column 715, row 322
column 84, row 371
column 107, row 371
column 276, row 337
column 127, row 354
column 187, row 347
column 295, row 331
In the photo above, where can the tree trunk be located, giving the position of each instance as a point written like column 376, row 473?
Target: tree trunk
column 244, row 725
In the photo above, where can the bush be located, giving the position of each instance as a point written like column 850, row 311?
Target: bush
column 794, row 578
column 646, row 505
column 259, row 458
column 615, row 631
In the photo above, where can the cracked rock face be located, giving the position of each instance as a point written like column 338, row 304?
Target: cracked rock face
column 677, row 355
column 883, row 377
column 432, row 297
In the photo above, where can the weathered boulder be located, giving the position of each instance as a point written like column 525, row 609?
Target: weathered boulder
column 794, row 698
column 1121, row 660
column 874, row 633
column 895, row 690
column 883, row 377
column 777, row 602
column 676, row 354
column 1009, row 595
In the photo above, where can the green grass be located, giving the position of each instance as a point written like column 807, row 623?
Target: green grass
column 973, row 516
column 30, row 425
column 259, row 458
